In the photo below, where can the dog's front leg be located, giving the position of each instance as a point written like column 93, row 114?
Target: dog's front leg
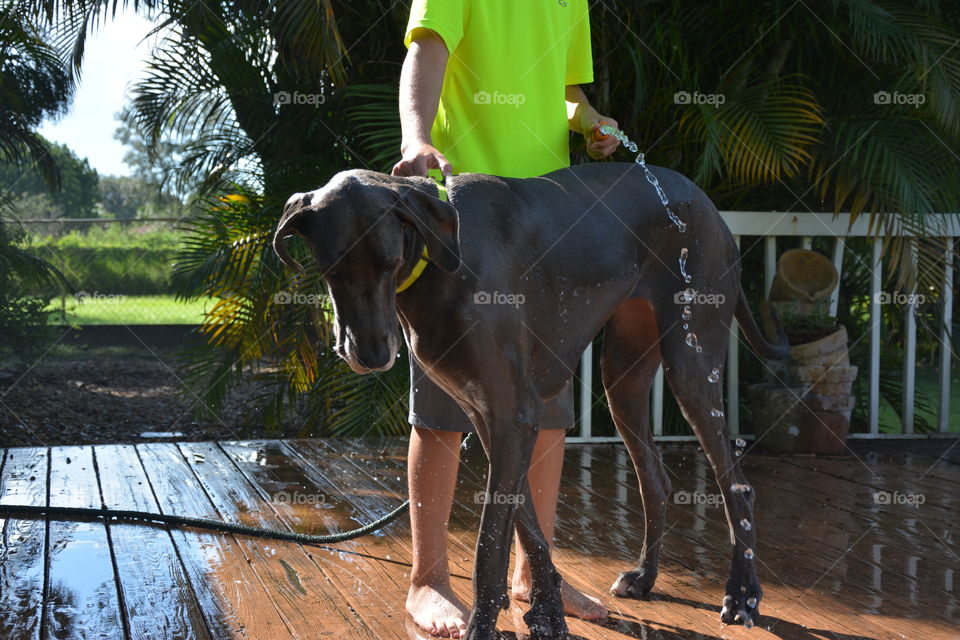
column 509, row 444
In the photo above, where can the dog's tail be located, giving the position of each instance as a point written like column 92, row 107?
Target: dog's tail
column 756, row 340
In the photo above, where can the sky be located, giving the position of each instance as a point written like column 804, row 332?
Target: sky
column 114, row 57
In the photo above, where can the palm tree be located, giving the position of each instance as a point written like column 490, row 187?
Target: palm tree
column 33, row 86
column 773, row 106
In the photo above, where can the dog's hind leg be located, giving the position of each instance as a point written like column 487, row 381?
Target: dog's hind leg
column 696, row 378
column 629, row 361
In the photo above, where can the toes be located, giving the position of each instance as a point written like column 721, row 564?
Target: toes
column 596, row 611
column 453, row 628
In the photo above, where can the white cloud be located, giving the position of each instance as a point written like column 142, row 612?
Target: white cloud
column 114, row 58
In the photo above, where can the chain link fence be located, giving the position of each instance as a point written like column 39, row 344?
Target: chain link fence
column 119, row 271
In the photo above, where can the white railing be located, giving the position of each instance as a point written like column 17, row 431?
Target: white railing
column 770, row 226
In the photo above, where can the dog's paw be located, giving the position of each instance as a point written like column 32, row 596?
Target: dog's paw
column 634, row 584
column 544, row 625
column 741, row 607
column 481, row 632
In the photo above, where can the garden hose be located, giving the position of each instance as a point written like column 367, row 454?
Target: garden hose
column 205, row 523
column 202, row 523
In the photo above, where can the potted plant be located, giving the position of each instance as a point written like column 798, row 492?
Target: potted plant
column 806, row 404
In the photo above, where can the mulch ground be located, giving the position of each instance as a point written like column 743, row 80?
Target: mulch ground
column 111, row 400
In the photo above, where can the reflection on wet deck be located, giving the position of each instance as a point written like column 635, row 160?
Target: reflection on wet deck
column 858, row 547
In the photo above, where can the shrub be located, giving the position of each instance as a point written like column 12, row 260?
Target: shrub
column 117, row 259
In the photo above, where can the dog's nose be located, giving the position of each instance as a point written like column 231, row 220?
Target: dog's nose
column 376, row 354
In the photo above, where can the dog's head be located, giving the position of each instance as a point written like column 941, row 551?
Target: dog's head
column 364, row 230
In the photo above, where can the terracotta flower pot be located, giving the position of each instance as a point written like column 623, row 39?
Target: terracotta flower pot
column 825, row 352
column 825, row 424
column 778, row 416
column 819, row 373
column 824, row 367
column 827, row 381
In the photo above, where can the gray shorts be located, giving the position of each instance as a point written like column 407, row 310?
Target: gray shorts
column 432, row 408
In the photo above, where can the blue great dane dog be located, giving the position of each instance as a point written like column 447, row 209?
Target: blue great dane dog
column 574, row 252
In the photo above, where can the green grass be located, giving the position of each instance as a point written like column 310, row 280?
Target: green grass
column 129, row 310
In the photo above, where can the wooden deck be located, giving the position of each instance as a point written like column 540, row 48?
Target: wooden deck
column 835, row 562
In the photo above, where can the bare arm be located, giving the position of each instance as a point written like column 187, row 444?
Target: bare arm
column 584, row 119
column 420, row 83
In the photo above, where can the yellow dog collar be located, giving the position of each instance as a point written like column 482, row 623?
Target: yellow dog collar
column 422, row 262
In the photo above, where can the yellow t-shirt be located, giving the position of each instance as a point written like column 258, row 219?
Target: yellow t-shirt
column 502, row 108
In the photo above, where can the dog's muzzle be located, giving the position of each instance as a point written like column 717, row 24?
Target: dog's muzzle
column 367, row 356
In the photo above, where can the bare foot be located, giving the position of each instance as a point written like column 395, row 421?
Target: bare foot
column 437, row 611
column 575, row 603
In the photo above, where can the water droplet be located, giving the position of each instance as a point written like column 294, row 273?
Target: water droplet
column 692, row 342
column 793, row 430
column 752, row 602
column 748, row 554
column 738, row 487
column 741, row 442
column 714, row 376
column 683, row 265
column 716, row 413
column 685, row 326
column 419, row 504
column 681, row 225
column 746, row 524
column 687, row 314
column 608, row 130
column 652, row 179
column 738, row 453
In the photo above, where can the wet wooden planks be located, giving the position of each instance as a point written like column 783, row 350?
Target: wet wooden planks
column 835, row 561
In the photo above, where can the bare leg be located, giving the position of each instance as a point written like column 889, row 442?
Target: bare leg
column 544, row 476
column 432, row 460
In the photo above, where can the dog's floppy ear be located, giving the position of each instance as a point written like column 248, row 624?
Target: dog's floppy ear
column 291, row 223
column 436, row 222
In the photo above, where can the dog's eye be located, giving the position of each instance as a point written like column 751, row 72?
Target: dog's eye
column 391, row 265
